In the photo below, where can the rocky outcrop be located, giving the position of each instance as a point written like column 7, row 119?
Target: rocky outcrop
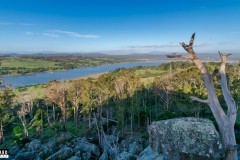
column 175, row 139
column 135, row 148
column 50, row 147
column 83, row 145
column 186, row 138
column 78, row 148
column 75, row 158
column 14, row 150
column 25, row 155
column 34, row 145
column 126, row 156
column 149, row 154
column 63, row 153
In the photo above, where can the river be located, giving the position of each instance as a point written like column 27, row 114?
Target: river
column 45, row 77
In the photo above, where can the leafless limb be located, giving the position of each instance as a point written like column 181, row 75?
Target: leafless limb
column 193, row 98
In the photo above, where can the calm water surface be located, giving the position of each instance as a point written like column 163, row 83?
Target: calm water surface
column 41, row 78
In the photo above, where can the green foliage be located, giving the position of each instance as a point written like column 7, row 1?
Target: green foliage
column 18, row 131
column 38, row 123
column 57, row 127
column 124, row 95
column 166, row 115
column 19, row 137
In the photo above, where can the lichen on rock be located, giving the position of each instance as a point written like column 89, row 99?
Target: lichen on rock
column 186, row 138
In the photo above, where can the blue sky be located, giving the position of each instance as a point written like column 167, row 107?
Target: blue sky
column 118, row 26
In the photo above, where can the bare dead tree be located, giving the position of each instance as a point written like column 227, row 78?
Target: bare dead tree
column 224, row 120
column 22, row 116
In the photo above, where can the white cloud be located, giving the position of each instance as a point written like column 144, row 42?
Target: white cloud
column 51, row 35
column 165, row 45
column 59, row 33
column 72, row 34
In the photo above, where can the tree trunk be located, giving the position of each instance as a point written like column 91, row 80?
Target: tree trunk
column 64, row 117
column 42, row 122
column 48, row 118
column 74, row 114
column 76, row 117
column 54, row 116
column 122, row 119
column 132, row 116
column 107, row 116
column 1, row 133
column 89, row 120
column 99, row 135
column 24, row 126
column 31, row 110
column 225, row 121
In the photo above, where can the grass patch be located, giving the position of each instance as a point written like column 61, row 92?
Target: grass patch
column 148, row 71
column 36, row 91
column 146, row 81
column 19, row 62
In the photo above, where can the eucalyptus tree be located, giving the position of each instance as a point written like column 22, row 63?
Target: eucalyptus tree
column 163, row 88
column 22, row 116
column 133, row 84
column 57, row 92
column 225, row 120
column 25, row 109
column 6, row 97
column 27, row 98
column 120, row 86
column 75, row 94
column 88, row 100
column 104, row 90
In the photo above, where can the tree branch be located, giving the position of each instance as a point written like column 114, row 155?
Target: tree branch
column 224, row 57
column 232, row 109
column 192, row 39
column 193, row 98
column 212, row 101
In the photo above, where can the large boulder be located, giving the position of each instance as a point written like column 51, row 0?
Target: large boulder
column 63, row 153
column 186, row 138
column 83, row 145
column 113, row 153
column 135, row 148
column 22, row 155
column 149, row 154
column 14, row 150
column 75, row 158
column 34, row 145
column 132, row 141
column 126, row 156
column 50, row 147
column 104, row 156
column 108, row 140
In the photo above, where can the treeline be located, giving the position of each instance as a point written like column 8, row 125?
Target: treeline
column 120, row 98
column 23, row 70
